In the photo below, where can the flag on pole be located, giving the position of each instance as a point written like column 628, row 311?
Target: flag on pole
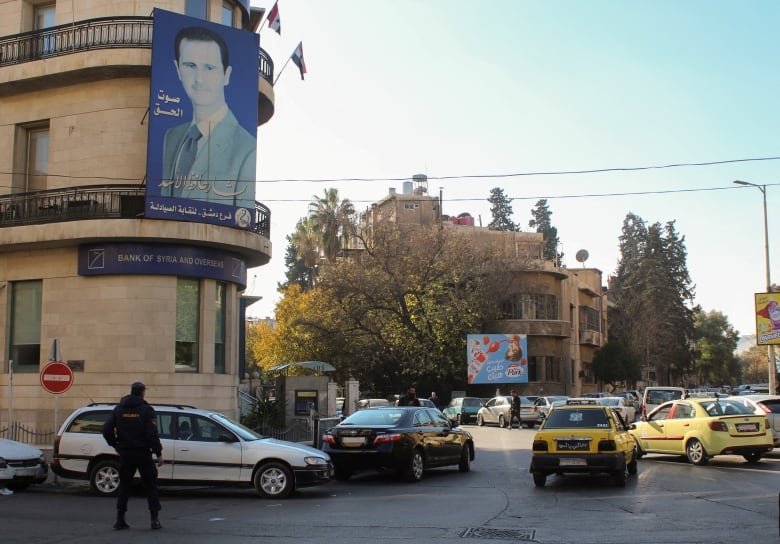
column 297, row 58
column 273, row 19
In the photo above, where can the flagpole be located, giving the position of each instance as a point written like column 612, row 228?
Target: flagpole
column 282, row 70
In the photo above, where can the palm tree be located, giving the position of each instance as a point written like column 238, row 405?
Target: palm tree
column 307, row 246
column 332, row 220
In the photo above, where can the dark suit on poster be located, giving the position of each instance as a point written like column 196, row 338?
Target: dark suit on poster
column 227, row 156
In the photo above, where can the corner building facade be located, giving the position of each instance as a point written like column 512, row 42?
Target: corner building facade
column 87, row 274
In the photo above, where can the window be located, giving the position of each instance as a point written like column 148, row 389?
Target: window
column 45, row 16
column 32, row 158
column 227, row 13
column 196, row 8
column 89, row 422
column 187, row 324
column 530, row 306
column 411, row 205
column 552, row 372
column 220, row 321
column 25, row 345
column 533, row 370
column 589, row 318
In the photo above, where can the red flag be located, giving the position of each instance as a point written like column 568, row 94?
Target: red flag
column 273, row 19
column 297, row 58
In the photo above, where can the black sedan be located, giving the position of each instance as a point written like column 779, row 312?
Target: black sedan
column 408, row 439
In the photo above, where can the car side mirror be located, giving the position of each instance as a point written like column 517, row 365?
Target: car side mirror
column 632, row 427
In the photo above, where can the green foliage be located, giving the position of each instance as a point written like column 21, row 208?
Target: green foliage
column 614, row 362
column 501, row 211
column 267, row 413
column 716, row 341
column 541, row 221
column 652, row 298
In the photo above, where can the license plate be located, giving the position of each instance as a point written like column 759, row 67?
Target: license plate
column 24, row 472
column 573, row 445
column 353, row 441
column 747, row 427
column 575, row 462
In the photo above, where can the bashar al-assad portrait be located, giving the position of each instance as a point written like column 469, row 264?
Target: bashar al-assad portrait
column 211, row 156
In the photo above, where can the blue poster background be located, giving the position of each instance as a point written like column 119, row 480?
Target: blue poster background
column 169, row 107
column 497, row 358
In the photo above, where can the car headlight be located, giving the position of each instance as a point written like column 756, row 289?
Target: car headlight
column 42, row 459
column 315, row 460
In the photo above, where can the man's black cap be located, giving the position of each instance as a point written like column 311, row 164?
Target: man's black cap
column 137, row 388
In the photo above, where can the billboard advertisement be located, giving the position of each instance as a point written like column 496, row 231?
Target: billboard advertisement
column 202, row 144
column 767, row 318
column 497, row 358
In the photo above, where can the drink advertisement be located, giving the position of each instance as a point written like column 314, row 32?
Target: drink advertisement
column 767, row 318
column 497, row 358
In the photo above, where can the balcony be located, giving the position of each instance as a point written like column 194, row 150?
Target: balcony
column 93, row 35
column 90, row 202
column 590, row 338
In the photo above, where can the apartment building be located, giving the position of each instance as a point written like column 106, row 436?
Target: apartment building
column 561, row 311
column 124, row 237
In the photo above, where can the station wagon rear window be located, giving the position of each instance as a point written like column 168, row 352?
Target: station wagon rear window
column 89, row 422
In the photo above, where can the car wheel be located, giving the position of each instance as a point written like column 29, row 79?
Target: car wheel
column 694, row 450
column 273, row 481
column 540, row 478
column 501, row 421
column 342, row 473
column 619, row 477
column 481, row 422
column 639, row 451
column 752, row 457
column 632, row 466
column 415, row 467
column 529, row 424
column 104, row 478
column 465, row 459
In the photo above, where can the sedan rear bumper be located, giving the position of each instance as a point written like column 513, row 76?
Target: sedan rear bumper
column 600, row 462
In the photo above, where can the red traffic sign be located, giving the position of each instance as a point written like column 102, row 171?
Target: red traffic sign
column 56, row 377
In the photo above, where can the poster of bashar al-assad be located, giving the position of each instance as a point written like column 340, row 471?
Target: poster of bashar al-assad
column 202, row 147
column 497, row 358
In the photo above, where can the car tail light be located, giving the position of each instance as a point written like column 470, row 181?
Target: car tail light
column 540, row 445
column 328, row 439
column 718, row 426
column 607, row 445
column 764, row 408
column 385, row 438
column 766, row 424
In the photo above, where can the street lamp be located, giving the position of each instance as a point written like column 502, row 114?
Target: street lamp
column 770, row 348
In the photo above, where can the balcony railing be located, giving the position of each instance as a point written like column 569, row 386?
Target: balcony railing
column 90, row 35
column 90, row 202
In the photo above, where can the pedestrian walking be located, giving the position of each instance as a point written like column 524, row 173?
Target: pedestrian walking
column 132, row 431
column 410, row 399
column 434, row 399
column 514, row 411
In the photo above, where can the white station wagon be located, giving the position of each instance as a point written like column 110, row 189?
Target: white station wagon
column 200, row 447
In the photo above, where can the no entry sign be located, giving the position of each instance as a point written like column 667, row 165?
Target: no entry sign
column 56, row 377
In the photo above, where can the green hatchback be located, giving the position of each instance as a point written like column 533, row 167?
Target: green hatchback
column 463, row 409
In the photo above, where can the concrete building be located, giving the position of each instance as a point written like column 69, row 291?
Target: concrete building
column 133, row 288
column 563, row 311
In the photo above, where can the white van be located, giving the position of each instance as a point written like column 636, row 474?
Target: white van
column 655, row 396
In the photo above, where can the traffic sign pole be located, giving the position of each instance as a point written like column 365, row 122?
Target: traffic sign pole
column 56, row 378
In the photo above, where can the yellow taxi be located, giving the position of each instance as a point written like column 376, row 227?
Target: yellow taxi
column 583, row 436
column 701, row 428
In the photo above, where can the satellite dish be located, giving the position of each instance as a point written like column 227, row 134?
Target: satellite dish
column 582, row 256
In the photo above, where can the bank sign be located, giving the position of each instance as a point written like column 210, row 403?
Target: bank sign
column 162, row 259
column 497, row 358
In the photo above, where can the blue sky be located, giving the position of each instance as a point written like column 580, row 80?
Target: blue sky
column 453, row 88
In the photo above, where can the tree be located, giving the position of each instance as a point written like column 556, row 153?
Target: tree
column 541, row 215
column 302, row 255
column 753, row 364
column 652, row 296
column 333, row 220
column 614, row 362
column 716, row 341
column 501, row 211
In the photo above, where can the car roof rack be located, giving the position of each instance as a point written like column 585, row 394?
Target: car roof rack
column 180, row 406
column 591, row 401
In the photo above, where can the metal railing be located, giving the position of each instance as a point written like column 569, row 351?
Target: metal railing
column 17, row 431
column 89, row 35
column 90, row 202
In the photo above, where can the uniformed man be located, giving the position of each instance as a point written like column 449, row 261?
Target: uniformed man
column 132, row 431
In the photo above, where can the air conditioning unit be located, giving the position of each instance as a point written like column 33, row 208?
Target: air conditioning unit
column 589, row 337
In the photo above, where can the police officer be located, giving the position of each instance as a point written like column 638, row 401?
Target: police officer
column 132, row 431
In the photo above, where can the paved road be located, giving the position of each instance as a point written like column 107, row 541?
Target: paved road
column 669, row 501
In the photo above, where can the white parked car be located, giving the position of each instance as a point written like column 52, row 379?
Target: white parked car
column 768, row 405
column 21, row 465
column 199, row 447
column 627, row 411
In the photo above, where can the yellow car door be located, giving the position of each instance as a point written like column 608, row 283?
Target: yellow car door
column 678, row 426
column 652, row 432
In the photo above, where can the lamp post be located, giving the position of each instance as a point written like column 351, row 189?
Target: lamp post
column 770, row 348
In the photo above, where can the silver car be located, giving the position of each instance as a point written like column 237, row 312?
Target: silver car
column 498, row 409
column 21, row 465
column 768, row 405
column 543, row 405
